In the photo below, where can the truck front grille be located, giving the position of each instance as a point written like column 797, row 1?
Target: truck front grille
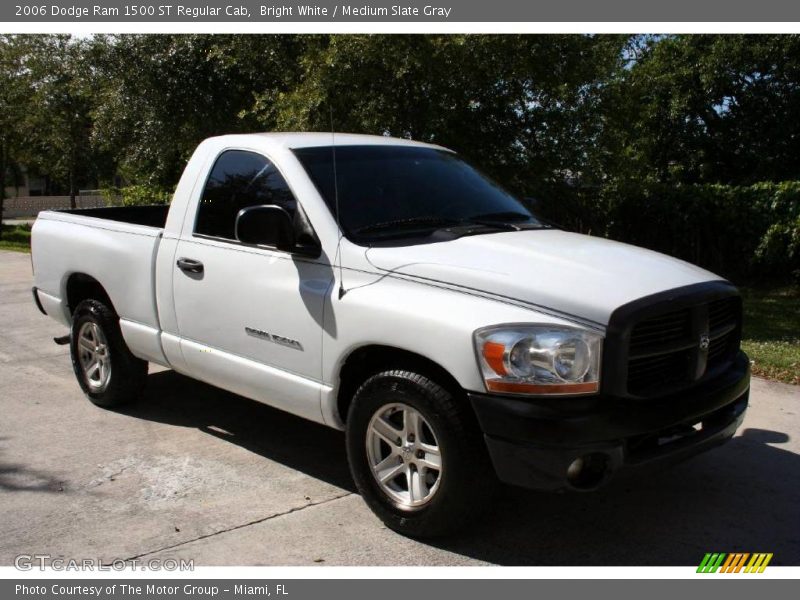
column 678, row 340
column 657, row 331
column 657, row 371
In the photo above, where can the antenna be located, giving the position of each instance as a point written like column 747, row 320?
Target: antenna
column 338, row 256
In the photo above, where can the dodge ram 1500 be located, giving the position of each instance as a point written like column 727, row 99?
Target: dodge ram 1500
column 387, row 288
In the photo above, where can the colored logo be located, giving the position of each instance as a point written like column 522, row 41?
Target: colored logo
column 734, row 563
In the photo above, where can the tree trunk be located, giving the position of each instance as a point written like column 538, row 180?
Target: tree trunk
column 72, row 194
column 3, row 165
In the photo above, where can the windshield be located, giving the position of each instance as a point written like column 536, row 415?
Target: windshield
column 402, row 191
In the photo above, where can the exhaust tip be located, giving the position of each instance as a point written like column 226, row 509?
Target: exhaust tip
column 588, row 471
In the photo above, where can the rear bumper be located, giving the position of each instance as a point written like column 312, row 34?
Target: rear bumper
column 533, row 442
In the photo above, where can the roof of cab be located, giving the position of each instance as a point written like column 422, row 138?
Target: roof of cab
column 311, row 139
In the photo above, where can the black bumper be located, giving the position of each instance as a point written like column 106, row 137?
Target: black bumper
column 533, row 442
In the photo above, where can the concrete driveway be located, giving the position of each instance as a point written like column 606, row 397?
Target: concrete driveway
column 195, row 472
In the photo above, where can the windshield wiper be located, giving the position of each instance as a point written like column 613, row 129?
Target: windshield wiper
column 429, row 221
column 508, row 220
column 504, row 221
column 505, row 216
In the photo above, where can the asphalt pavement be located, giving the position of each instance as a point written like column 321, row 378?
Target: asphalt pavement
column 197, row 473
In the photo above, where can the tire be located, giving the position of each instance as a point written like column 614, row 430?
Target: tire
column 464, row 482
column 106, row 370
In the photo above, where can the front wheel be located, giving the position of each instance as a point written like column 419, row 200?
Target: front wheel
column 416, row 455
column 106, row 370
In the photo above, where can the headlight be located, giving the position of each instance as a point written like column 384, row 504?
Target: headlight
column 539, row 359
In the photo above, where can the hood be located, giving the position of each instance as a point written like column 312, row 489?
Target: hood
column 578, row 275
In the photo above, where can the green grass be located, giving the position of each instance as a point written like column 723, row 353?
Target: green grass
column 771, row 335
column 16, row 237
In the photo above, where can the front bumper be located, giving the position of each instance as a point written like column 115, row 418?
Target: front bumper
column 537, row 443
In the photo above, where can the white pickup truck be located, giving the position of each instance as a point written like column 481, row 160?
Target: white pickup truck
column 386, row 288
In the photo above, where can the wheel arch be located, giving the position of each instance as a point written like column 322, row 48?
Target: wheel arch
column 81, row 286
column 367, row 360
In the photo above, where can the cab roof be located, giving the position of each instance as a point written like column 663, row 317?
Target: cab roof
column 293, row 140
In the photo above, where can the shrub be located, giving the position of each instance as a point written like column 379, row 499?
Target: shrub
column 739, row 232
column 138, row 195
column 778, row 252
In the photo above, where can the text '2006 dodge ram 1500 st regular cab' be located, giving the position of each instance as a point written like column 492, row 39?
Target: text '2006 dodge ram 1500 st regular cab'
column 456, row 338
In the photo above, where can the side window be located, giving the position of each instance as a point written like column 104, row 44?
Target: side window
column 239, row 179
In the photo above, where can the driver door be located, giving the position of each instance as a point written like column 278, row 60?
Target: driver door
column 250, row 317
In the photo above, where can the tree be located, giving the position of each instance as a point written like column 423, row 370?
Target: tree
column 706, row 108
column 557, row 116
column 13, row 94
column 59, row 111
column 159, row 96
column 522, row 106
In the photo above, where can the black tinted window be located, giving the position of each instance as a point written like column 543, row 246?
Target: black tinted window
column 383, row 184
column 239, row 179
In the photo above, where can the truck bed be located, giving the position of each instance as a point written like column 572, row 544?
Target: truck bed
column 150, row 216
column 116, row 246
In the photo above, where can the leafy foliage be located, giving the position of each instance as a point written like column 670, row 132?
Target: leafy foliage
column 523, row 107
column 706, row 109
column 13, row 92
column 137, row 195
column 779, row 249
column 677, row 143
column 57, row 132
column 771, row 335
column 159, row 96
column 743, row 232
column 16, row 238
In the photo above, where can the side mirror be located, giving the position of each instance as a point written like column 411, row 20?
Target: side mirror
column 266, row 225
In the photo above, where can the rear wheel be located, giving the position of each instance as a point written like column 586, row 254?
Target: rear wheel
column 416, row 455
column 106, row 370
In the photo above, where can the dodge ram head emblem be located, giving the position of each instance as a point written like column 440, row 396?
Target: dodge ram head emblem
column 704, row 342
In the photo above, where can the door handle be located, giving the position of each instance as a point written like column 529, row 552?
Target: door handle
column 189, row 265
